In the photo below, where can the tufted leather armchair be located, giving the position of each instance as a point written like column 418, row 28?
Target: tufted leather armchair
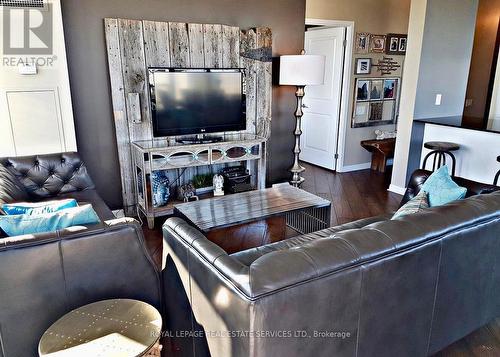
column 53, row 176
column 43, row 276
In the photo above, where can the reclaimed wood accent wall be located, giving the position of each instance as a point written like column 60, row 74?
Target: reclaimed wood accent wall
column 135, row 45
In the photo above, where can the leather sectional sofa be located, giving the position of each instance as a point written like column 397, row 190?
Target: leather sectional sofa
column 375, row 287
column 44, row 276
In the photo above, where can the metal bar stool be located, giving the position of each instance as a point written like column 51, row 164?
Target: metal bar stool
column 495, row 182
column 440, row 149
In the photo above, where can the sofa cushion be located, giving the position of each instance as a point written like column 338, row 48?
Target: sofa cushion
column 441, row 189
column 48, row 222
column 419, row 177
column 11, row 189
column 93, row 198
column 415, row 205
column 247, row 257
column 35, row 208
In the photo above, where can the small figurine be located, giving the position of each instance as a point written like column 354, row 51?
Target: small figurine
column 187, row 192
column 218, row 185
column 381, row 135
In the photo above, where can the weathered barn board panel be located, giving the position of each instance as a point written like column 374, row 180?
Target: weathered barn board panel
column 135, row 45
column 264, row 84
column 212, row 39
column 157, row 44
column 135, row 75
column 179, row 44
column 196, row 47
column 230, row 47
column 120, row 115
column 248, row 42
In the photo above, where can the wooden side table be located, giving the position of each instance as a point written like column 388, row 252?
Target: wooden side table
column 120, row 327
column 381, row 150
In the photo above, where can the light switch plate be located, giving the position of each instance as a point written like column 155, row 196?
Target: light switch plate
column 438, row 99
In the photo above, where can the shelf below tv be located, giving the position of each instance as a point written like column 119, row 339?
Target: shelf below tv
column 199, row 139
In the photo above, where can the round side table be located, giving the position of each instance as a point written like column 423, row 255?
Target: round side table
column 109, row 328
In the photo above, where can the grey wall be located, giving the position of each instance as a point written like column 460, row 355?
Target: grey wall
column 88, row 70
column 446, row 55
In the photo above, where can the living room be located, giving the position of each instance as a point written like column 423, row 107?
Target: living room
column 178, row 178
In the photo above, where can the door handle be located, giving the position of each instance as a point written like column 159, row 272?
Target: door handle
column 305, row 106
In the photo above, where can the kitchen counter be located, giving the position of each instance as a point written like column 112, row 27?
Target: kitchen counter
column 458, row 122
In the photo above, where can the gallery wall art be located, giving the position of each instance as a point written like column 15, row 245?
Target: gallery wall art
column 375, row 101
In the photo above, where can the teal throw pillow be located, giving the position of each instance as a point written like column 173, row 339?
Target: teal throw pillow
column 48, row 222
column 441, row 189
column 416, row 204
column 38, row 208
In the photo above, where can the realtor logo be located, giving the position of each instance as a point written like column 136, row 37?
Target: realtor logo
column 27, row 31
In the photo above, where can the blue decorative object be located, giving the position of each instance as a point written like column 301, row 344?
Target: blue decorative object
column 441, row 189
column 161, row 188
column 48, row 222
column 38, row 207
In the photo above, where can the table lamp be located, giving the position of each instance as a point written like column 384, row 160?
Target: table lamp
column 300, row 71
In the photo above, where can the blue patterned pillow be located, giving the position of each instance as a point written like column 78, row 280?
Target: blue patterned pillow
column 442, row 189
column 38, row 207
column 48, row 222
column 416, row 204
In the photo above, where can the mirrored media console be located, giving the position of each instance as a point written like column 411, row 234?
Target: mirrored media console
column 169, row 155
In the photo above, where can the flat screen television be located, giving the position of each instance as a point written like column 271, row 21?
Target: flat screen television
column 196, row 101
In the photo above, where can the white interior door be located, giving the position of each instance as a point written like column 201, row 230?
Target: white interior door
column 322, row 103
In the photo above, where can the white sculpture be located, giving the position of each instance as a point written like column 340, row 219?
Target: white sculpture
column 218, row 185
column 381, row 135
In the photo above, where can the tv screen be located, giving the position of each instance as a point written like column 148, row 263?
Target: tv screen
column 196, row 101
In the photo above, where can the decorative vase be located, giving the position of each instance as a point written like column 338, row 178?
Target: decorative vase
column 161, row 188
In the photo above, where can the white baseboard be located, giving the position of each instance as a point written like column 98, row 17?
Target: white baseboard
column 358, row 167
column 397, row 189
column 363, row 166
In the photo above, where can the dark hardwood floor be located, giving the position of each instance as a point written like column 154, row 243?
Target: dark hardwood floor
column 354, row 195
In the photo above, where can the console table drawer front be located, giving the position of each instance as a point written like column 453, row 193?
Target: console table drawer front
column 164, row 161
column 236, row 153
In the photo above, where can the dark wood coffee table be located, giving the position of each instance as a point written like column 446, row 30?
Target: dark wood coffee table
column 304, row 212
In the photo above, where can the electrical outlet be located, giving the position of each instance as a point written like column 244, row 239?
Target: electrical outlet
column 438, row 99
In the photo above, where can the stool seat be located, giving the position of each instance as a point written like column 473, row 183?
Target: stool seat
column 498, row 158
column 441, row 146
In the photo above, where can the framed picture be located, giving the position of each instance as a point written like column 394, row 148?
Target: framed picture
column 363, row 66
column 361, row 112
column 376, row 89
column 376, row 101
column 402, row 44
column 388, row 110
column 376, row 111
column 377, row 43
column 362, row 90
column 396, row 44
column 389, row 89
column 362, row 42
